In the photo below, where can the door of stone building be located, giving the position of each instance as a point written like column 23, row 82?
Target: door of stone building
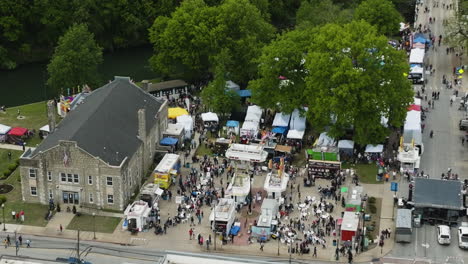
column 71, row 197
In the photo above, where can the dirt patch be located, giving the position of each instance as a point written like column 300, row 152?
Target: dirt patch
column 5, row 188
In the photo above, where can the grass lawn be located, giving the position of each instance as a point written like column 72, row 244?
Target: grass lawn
column 104, row 224
column 367, row 172
column 5, row 162
column 34, row 213
column 202, row 150
column 35, row 117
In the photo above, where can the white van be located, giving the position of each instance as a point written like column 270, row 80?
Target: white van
column 443, row 234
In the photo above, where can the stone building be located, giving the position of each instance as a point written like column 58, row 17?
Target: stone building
column 99, row 153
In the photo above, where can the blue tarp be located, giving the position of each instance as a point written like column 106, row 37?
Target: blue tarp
column 244, row 93
column 279, row 130
column 232, row 123
column 235, row 230
column 421, row 40
column 168, row 141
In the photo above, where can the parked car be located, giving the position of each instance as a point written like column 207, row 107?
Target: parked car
column 463, row 235
column 443, row 234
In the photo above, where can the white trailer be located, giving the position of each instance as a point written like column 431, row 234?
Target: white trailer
column 137, row 215
column 223, row 215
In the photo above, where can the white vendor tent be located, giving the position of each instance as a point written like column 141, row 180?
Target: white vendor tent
column 281, row 120
column 325, row 141
column 232, row 85
column 374, row 148
column 297, row 125
column 413, row 120
column 346, row 144
column 4, row 129
column 417, row 101
column 210, row 117
column 417, row 56
column 254, row 113
column 44, row 128
column 187, row 122
column 295, row 134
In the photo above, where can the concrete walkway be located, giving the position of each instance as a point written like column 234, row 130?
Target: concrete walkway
column 12, row 147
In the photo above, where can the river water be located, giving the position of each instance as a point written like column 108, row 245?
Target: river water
column 26, row 84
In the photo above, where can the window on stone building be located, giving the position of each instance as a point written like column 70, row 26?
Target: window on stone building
column 69, row 177
column 51, row 194
column 76, row 178
column 90, row 180
column 63, row 177
column 49, row 176
column 91, row 198
column 109, row 181
column 32, row 173
column 34, row 191
column 110, row 199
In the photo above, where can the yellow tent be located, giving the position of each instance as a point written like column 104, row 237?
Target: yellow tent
column 173, row 113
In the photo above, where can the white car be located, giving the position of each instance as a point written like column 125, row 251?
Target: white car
column 463, row 235
column 443, row 234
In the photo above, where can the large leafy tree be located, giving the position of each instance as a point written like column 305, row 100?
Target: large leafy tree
column 75, row 59
column 282, row 72
column 456, row 27
column 195, row 34
column 381, row 14
column 355, row 78
column 320, row 12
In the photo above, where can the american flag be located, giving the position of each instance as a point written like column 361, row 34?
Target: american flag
column 66, row 159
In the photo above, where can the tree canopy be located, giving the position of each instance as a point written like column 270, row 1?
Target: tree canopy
column 194, row 35
column 380, row 13
column 320, row 12
column 348, row 76
column 75, row 60
column 456, row 29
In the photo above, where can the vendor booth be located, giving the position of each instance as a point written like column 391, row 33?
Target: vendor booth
column 374, row 148
column 239, row 187
column 187, row 122
column 346, row 148
column 232, row 85
column 232, row 127
column 173, row 113
column 4, row 132
column 349, row 226
column 210, row 120
column 252, row 121
column 297, row 126
column 175, row 131
column 138, row 215
column 267, row 221
column 276, row 181
column 44, row 131
column 354, row 200
column 17, row 135
column 223, row 215
column 250, row 153
column 281, row 123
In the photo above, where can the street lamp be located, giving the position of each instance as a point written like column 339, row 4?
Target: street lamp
column 3, row 209
column 94, row 225
column 250, row 194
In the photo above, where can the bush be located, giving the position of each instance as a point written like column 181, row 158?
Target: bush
column 3, row 199
column 17, row 162
column 12, row 167
column 372, row 208
column 372, row 200
column 6, row 173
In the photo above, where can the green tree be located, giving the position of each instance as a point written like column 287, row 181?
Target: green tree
column 355, row 78
column 75, row 59
column 456, row 29
column 282, row 72
column 380, row 13
column 320, row 12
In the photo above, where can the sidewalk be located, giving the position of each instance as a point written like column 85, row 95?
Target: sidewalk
column 12, row 147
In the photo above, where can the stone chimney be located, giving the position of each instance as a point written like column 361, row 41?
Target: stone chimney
column 145, row 84
column 142, row 125
column 51, row 115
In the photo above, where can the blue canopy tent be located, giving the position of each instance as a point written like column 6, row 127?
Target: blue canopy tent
column 232, row 123
column 279, row 130
column 244, row 93
column 168, row 141
column 233, row 127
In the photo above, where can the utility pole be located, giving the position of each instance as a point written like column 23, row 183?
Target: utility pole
column 78, row 248
column 16, row 244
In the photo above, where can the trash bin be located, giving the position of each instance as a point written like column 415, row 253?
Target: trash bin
column 187, row 165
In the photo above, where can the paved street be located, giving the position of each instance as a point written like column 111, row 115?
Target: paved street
column 441, row 152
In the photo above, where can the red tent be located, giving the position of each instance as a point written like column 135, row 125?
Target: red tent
column 18, row 131
column 414, row 107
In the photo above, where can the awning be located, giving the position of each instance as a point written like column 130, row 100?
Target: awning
column 281, row 120
column 282, row 148
column 244, row 93
column 173, row 113
column 295, row 134
column 374, row 148
column 209, row 117
column 18, row 131
column 414, row 108
column 168, row 141
column 279, row 130
column 4, row 129
column 346, row 144
column 45, row 128
column 232, row 123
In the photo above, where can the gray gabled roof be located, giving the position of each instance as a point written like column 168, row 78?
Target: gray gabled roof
column 435, row 193
column 166, row 85
column 106, row 122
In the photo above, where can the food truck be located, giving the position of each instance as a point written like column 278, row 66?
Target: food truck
column 404, row 227
column 276, row 180
column 223, row 215
column 354, row 201
column 239, row 187
column 151, row 193
column 167, row 168
column 248, row 153
column 349, row 226
column 137, row 216
column 267, row 221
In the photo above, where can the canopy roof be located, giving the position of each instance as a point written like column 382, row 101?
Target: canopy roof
column 417, row 56
column 210, row 117
column 416, row 69
column 414, row 108
column 295, row 134
column 324, row 140
column 4, row 129
column 232, row 85
column 374, row 148
column 186, row 121
column 18, row 131
column 253, row 153
column 45, row 128
column 173, row 113
column 346, row 144
column 350, row 221
column 279, row 130
column 413, row 120
column 244, row 93
column 436, row 193
column 168, row 141
column 174, row 129
column 232, row 123
column 281, row 120
column 254, row 113
column 298, row 122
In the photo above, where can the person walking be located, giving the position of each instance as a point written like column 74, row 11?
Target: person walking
column 20, row 238
column 61, row 228
column 261, row 245
column 28, row 243
column 190, row 233
column 350, row 257
column 315, row 252
column 8, row 240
